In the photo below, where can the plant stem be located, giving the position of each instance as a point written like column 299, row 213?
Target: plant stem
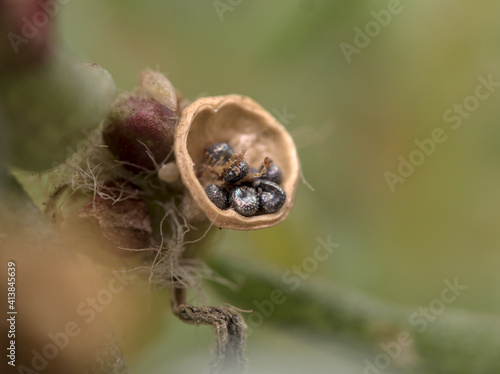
column 454, row 342
column 229, row 327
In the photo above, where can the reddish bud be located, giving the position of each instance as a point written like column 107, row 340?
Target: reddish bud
column 139, row 130
column 125, row 223
column 26, row 27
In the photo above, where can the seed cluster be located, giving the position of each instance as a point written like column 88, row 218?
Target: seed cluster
column 248, row 191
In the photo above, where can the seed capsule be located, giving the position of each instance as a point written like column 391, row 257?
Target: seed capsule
column 217, row 195
column 272, row 173
column 236, row 172
column 237, row 120
column 244, row 200
column 271, row 196
column 219, row 153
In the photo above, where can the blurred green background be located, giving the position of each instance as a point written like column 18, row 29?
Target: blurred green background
column 351, row 122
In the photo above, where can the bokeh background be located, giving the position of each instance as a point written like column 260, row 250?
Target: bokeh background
column 351, row 121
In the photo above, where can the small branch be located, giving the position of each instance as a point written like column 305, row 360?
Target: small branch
column 229, row 327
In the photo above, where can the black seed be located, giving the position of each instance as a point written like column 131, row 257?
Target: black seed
column 244, row 200
column 218, row 196
column 236, row 172
column 270, row 203
column 272, row 173
column 219, row 153
column 271, row 195
column 267, row 186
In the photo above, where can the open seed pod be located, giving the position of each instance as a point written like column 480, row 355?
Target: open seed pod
column 245, row 126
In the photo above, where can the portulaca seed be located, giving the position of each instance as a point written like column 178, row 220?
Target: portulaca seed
column 272, row 173
column 217, row 195
column 236, row 172
column 244, row 200
column 219, row 153
column 270, row 195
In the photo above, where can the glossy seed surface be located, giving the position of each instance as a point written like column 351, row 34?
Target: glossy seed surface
column 271, row 196
column 236, row 172
column 272, row 173
column 218, row 195
column 219, row 153
column 270, row 203
column 244, row 200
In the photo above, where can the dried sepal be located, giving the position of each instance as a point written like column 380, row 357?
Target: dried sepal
column 158, row 87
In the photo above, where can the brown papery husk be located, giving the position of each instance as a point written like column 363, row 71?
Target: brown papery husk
column 245, row 126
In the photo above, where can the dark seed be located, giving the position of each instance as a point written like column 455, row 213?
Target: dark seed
column 218, row 196
column 272, row 173
column 219, row 153
column 267, row 186
column 244, row 200
column 271, row 196
column 236, row 172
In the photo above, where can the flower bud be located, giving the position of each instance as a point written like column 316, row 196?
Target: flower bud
column 27, row 29
column 140, row 131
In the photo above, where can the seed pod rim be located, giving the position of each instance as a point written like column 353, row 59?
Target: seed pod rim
column 229, row 218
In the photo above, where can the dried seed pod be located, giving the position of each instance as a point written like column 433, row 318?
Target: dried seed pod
column 238, row 121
